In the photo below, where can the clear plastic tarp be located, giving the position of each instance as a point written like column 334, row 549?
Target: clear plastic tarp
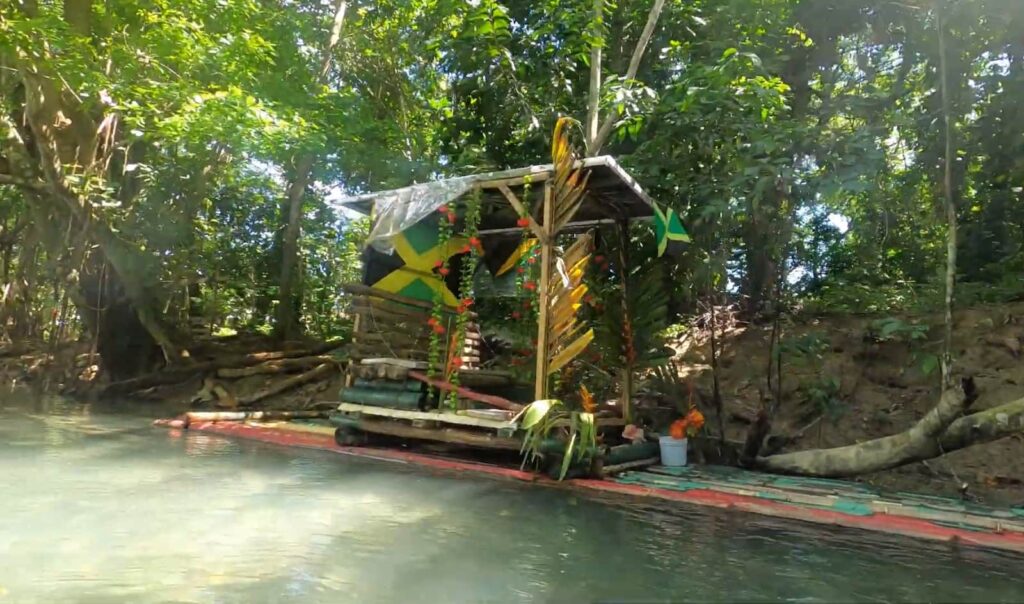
column 397, row 210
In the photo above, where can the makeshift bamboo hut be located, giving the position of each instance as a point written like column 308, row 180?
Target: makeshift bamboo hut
column 416, row 358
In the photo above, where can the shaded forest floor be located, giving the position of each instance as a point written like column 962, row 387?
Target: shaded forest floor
column 848, row 379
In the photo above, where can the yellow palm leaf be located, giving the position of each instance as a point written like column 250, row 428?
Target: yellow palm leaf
column 571, row 351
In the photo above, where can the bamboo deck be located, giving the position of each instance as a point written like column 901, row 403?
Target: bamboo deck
column 826, row 502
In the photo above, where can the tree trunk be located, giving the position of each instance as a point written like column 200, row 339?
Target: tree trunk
column 288, row 308
column 287, row 315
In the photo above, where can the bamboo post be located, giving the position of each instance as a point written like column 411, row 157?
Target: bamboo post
column 627, row 367
column 547, row 240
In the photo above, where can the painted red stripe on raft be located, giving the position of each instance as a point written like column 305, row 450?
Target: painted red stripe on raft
column 901, row 525
column 312, row 440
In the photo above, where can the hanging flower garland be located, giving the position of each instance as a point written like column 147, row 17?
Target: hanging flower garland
column 524, row 310
column 473, row 250
column 437, row 322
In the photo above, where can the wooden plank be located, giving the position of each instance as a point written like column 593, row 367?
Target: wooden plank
column 515, row 181
column 365, row 350
column 396, row 362
column 630, row 465
column 538, row 232
column 430, row 416
column 453, row 436
column 358, row 289
column 489, row 399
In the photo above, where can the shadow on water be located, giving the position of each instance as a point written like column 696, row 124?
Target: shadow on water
column 108, row 509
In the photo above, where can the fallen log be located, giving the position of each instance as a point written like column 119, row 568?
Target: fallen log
column 179, row 373
column 935, row 434
column 277, row 366
column 320, row 372
column 489, row 399
column 235, row 416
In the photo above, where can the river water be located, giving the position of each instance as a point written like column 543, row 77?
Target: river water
column 102, row 507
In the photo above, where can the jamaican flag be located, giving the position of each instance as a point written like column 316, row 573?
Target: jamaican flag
column 669, row 231
column 411, row 270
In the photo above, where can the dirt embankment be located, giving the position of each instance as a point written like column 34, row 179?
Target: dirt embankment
column 848, row 379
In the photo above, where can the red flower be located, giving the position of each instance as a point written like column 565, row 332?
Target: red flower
column 520, row 270
column 523, row 222
column 444, row 209
column 532, row 260
column 474, row 241
column 598, row 259
column 515, row 314
column 432, row 321
column 467, row 302
column 530, row 285
column 466, row 249
column 438, row 328
column 451, row 217
column 444, row 271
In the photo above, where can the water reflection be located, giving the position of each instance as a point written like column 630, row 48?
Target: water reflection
column 100, row 507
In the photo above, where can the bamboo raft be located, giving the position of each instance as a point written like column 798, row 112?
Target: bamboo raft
column 823, row 502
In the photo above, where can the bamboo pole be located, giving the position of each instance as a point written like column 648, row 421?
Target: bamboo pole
column 540, row 390
column 521, row 209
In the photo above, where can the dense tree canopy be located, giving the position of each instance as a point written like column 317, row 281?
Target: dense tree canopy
column 152, row 150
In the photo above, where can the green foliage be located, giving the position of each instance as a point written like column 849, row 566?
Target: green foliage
column 894, row 329
column 793, row 137
column 539, row 421
column 822, row 393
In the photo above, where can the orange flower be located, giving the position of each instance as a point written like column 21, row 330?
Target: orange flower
column 678, row 429
column 695, row 419
column 589, row 405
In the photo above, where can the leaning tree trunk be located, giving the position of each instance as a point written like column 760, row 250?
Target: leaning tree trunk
column 922, row 441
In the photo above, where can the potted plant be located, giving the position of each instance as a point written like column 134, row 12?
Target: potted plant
column 673, row 446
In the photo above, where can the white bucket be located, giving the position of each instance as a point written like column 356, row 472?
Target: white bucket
column 673, row 451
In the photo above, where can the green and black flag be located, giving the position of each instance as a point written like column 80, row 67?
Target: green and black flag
column 669, row 231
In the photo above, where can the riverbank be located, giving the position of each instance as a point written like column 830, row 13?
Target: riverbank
column 852, row 378
column 846, row 379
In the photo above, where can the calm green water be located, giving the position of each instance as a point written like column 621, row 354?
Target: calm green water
column 100, row 507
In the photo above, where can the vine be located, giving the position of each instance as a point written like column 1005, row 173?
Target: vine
column 525, row 310
column 472, row 250
column 445, row 226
